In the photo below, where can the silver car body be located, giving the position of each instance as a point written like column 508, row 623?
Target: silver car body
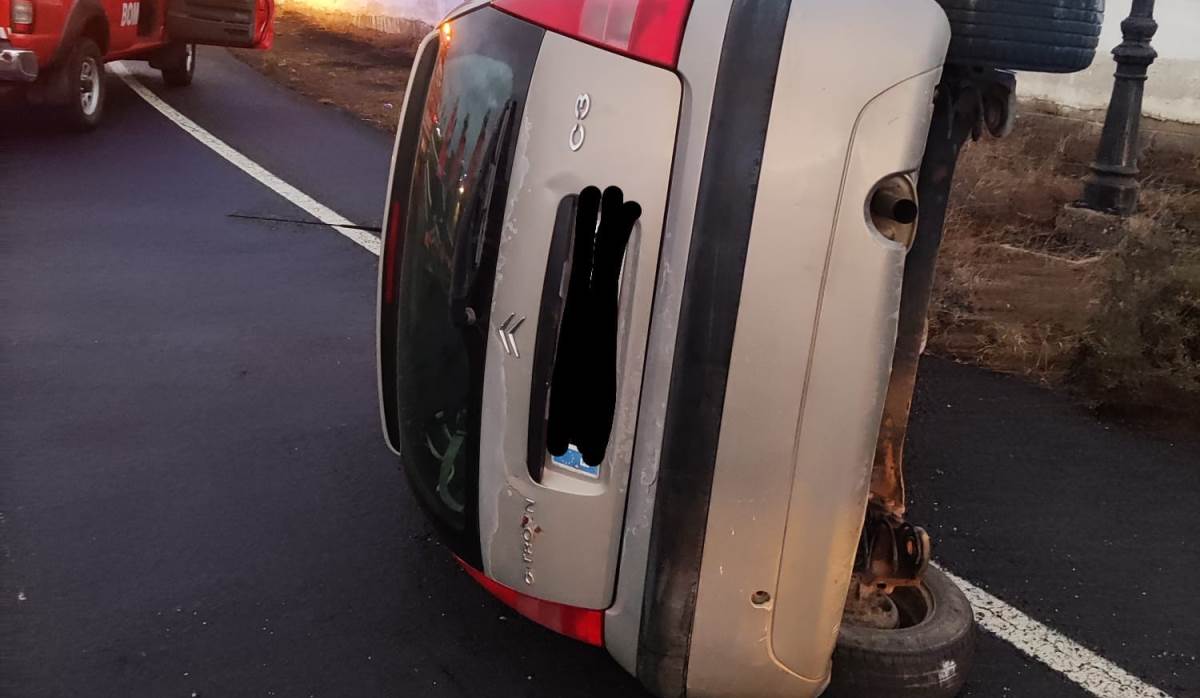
column 749, row 601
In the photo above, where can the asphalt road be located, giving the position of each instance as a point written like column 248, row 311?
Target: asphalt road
column 195, row 499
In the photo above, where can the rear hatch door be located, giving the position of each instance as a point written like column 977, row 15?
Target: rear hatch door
column 518, row 130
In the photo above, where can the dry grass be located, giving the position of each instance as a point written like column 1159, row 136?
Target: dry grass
column 1002, row 254
column 1142, row 345
column 1028, row 287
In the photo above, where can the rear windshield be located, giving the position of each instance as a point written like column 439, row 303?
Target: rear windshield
column 447, row 267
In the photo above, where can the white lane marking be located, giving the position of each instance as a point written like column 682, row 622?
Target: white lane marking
column 298, row 198
column 1090, row 671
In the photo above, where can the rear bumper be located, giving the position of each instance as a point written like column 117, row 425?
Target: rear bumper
column 18, row 65
column 783, row 345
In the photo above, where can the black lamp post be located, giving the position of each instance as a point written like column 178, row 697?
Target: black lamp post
column 1112, row 185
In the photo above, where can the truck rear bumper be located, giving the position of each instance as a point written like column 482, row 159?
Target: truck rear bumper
column 18, row 65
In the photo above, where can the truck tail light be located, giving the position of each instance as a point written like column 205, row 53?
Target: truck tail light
column 22, row 16
column 649, row 30
column 583, row 624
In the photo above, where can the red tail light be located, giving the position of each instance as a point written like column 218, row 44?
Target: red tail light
column 391, row 244
column 649, row 30
column 583, row 624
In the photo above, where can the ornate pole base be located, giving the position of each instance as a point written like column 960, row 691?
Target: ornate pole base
column 1112, row 186
column 1111, row 192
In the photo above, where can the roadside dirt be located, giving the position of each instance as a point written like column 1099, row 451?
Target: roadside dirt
column 324, row 55
column 1108, row 308
column 1026, row 285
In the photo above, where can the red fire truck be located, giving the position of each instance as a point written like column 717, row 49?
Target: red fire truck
column 52, row 52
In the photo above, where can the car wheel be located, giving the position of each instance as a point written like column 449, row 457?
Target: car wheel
column 1051, row 36
column 928, row 655
column 179, row 72
column 86, row 90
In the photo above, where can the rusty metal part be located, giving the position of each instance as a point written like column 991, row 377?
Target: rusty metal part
column 891, row 552
column 968, row 102
column 870, row 607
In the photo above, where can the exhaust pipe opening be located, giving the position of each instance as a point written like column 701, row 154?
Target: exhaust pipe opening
column 892, row 209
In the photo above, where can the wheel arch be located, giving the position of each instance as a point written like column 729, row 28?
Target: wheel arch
column 86, row 19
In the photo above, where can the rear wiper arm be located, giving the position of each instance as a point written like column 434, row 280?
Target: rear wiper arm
column 472, row 234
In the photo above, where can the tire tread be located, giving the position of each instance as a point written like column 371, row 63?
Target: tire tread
column 1057, row 36
column 71, row 113
column 910, row 663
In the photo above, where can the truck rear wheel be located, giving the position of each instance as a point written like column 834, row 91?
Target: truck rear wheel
column 179, row 69
column 86, row 89
column 928, row 656
column 1051, row 36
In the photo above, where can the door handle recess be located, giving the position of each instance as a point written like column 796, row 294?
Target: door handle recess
column 575, row 356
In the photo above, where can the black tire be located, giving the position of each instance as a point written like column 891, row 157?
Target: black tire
column 182, row 67
column 930, row 659
column 86, row 88
column 1050, row 36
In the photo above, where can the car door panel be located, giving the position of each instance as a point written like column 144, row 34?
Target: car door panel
column 236, row 23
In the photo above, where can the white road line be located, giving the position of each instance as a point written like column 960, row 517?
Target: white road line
column 1090, row 671
column 298, row 198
